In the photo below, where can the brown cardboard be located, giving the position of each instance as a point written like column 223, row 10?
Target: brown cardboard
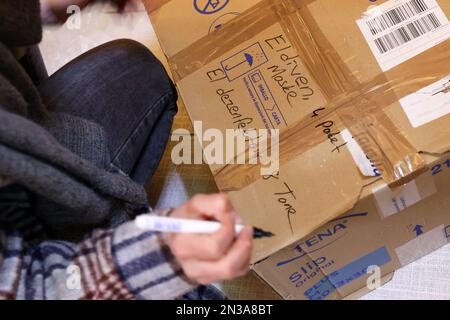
column 347, row 239
column 342, row 83
column 368, row 99
column 179, row 24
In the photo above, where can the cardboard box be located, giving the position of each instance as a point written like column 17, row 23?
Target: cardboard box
column 332, row 261
column 344, row 83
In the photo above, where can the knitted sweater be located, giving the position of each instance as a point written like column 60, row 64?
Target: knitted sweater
column 61, row 190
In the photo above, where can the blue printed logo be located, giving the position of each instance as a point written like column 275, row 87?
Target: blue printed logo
column 351, row 272
column 310, row 269
column 447, row 232
column 210, row 6
column 334, row 231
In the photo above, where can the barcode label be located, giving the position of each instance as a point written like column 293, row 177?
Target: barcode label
column 396, row 16
column 407, row 33
column 398, row 30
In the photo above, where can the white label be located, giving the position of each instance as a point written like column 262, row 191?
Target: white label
column 423, row 244
column 390, row 202
column 398, row 30
column 366, row 166
column 428, row 104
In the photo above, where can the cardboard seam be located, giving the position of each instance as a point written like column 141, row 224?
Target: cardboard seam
column 296, row 237
column 436, row 154
column 337, row 291
column 267, row 283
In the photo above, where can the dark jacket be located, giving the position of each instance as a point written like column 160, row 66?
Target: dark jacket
column 66, row 179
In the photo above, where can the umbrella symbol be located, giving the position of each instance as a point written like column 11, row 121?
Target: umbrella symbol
column 248, row 59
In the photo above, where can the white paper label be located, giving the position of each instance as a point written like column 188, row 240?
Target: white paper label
column 428, row 104
column 423, row 244
column 366, row 166
column 390, row 202
column 398, row 30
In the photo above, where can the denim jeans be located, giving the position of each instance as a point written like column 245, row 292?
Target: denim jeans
column 124, row 88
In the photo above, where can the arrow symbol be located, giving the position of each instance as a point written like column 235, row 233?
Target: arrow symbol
column 248, row 59
column 418, row 229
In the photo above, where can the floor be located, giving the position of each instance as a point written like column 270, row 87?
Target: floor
column 428, row 278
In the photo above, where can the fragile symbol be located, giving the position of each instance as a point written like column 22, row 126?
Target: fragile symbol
column 418, row 229
column 248, row 59
column 244, row 61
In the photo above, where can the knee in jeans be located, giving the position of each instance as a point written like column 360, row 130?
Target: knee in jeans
column 151, row 70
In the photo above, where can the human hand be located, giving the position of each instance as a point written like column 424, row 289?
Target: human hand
column 211, row 258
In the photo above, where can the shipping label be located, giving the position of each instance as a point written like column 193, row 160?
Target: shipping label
column 399, row 30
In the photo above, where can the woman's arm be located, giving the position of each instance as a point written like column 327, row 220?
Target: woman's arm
column 126, row 262
column 122, row 263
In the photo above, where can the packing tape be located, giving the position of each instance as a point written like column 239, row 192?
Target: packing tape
column 324, row 63
column 421, row 246
column 358, row 106
column 392, row 201
column 369, row 131
column 245, row 26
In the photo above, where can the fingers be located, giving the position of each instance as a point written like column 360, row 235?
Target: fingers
column 234, row 264
column 219, row 208
column 200, row 271
column 216, row 257
column 202, row 247
column 209, row 247
column 238, row 257
column 215, row 206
